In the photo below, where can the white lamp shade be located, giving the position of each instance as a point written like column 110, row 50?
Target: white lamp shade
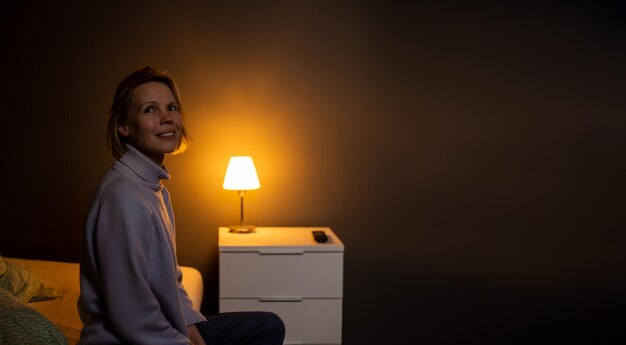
column 241, row 174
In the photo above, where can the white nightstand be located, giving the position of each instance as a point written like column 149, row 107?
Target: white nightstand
column 283, row 270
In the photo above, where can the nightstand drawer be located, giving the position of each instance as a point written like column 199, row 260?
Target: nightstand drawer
column 281, row 274
column 307, row 321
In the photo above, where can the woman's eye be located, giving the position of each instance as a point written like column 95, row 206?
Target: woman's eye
column 149, row 109
column 172, row 108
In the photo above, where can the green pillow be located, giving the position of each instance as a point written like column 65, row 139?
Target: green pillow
column 24, row 285
column 21, row 324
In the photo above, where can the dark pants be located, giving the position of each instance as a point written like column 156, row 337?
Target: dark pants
column 261, row 328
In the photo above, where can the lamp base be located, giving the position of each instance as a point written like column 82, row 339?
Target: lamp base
column 245, row 229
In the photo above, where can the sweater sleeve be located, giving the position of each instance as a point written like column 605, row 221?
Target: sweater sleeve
column 191, row 315
column 124, row 240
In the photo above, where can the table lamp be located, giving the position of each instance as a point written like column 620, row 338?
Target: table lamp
column 241, row 176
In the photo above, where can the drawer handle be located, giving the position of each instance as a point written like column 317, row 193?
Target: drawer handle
column 293, row 342
column 281, row 252
column 280, row 299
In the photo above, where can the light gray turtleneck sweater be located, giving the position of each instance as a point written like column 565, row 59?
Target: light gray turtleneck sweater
column 130, row 281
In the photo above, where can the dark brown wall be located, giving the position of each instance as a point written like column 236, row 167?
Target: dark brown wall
column 471, row 157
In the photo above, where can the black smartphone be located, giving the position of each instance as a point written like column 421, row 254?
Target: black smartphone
column 320, row 236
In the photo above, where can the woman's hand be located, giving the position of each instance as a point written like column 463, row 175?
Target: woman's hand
column 195, row 336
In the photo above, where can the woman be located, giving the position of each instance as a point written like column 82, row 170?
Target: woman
column 131, row 289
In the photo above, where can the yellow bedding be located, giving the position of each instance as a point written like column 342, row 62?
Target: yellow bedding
column 64, row 277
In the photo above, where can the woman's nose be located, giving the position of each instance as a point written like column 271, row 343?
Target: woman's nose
column 166, row 118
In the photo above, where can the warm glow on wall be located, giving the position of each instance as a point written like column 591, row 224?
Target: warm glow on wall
column 244, row 111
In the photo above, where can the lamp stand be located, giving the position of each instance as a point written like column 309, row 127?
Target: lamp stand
column 241, row 228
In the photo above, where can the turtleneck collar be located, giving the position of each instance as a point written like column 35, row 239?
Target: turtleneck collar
column 143, row 167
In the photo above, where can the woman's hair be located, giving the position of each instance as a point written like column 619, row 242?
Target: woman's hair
column 123, row 99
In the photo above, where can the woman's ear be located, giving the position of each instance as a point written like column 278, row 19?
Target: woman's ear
column 123, row 130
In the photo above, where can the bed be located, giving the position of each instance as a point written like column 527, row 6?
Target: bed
column 59, row 290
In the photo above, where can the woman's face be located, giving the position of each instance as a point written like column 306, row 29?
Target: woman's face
column 154, row 124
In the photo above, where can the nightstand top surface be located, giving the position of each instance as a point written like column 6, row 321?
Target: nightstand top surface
column 269, row 239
